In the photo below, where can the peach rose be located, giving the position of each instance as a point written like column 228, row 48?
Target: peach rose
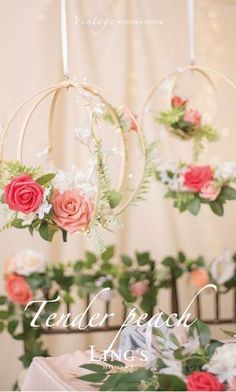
column 138, row 289
column 18, row 290
column 197, row 176
column 208, row 192
column 193, row 117
column 199, row 277
column 71, row 211
column 23, row 194
column 177, row 101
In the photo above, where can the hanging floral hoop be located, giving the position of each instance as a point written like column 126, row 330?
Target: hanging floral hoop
column 33, row 197
column 180, row 120
column 190, row 185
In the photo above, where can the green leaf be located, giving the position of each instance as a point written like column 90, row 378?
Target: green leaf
column 115, row 363
column 114, row 198
column 78, row 266
column 126, row 260
column 168, row 382
column 45, row 178
column 203, row 332
column 35, row 280
column 91, row 258
column 4, row 314
column 12, row 325
column 17, row 223
column 26, row 359
column 143, row 258
column 94, row 377
column 181, row 256
column 217, row 207
column 194, row 206
column 47, row 231
column 228, row 193
column 108, row 254
column 1, row 326
column 95, row 368
column 3, row 299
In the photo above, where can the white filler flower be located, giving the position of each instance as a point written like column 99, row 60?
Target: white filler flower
column 226, row 171
column 28, row 261
column 222, row 268
column 72, row 179
column 223, row 362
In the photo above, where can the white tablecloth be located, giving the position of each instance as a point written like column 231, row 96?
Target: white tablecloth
column 56, row 373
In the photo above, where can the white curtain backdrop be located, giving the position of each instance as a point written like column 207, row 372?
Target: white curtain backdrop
column 123, row 60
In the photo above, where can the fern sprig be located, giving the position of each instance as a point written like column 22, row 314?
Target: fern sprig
column 147, row 174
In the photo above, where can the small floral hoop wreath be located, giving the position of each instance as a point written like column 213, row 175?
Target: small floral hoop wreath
column 180, row 120
column 79, row 201
column 191, row 185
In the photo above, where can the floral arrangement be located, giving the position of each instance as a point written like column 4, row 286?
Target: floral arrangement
column 48, row 202
column 27, row 276
column 184, row 359
column 190, row 186
column 77, row 200
column 137, row 280
column 221, row 271
column 186, row 123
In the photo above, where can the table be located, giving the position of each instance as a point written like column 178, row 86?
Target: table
column 56, row 373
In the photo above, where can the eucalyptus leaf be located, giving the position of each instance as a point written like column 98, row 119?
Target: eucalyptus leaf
column 217, row 207
column 93, row 377
column 194, row 206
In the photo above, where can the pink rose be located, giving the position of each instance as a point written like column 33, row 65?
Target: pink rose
column 18, row 290
column 177, row 101
column 203, row 381
column 208, row 192
column 193, row 117
column 197, row 176
column 71, row 211
column 138, row 289
column 23, row 194
column 199, row 277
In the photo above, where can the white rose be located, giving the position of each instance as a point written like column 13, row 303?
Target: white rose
column 223, row 362
column 29, row 261
column 222, row 268
column 106, row 296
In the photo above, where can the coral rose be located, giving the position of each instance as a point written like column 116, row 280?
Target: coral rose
column 199, row 277
column 203, row 381
column 23, row 194
column 208, row 192
column 71, row 211
column 18, row 290
column 193, row 117
column 177, row 101
column 138, row 289
column 197, row 176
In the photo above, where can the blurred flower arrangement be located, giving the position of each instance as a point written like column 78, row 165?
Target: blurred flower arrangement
column 190, row 186
column 136, row 280
column 221, row 271
column 186, row 123
column 190, row 360
column 27, row 276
